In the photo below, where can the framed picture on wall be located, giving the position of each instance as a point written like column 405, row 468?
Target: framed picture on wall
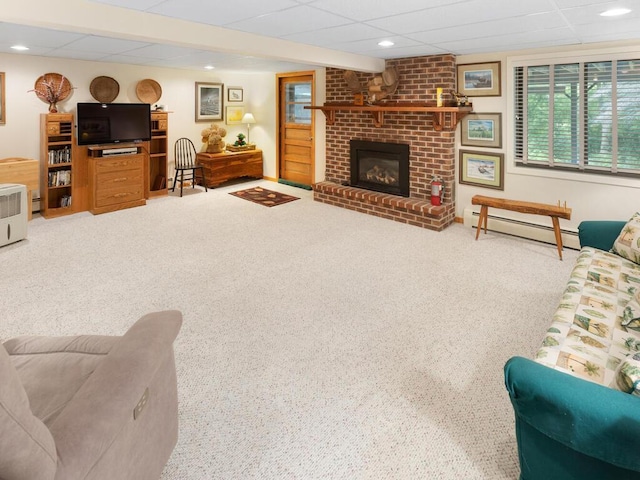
column 481, row 130
column 235, row 94
column 479, row 79
column 234, row 115
column 209, row 102
column 3, row 114
column 482, row 169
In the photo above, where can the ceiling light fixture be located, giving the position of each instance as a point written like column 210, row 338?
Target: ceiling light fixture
column 20, row 48
column 615, row 12
column 209, row 67
column 386, row 43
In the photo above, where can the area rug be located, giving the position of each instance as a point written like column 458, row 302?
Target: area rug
column 265, row 197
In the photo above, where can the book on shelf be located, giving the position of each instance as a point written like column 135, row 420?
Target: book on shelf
column 65, row 201
column 62, row 155
column 60, row 178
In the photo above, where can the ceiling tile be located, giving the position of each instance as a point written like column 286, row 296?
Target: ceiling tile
column 591, row 15
column 582, row 3
column 133, row 4
column 500, row 43
column 361, row 10
column 514, row 25
column 287, row 22
column 371, row 46
column 12, row 34
column 460, row 14
column 342, row 34
column 94, row 43
column 220, row 13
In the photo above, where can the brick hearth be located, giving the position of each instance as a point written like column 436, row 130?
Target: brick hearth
column 431, row 152
column 409, row 210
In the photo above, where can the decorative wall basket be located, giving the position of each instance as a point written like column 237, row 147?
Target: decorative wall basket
column 148, row 91
column 52, row 88
column 104, row 89
column 383, row 85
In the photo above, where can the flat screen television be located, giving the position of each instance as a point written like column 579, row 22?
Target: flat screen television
column 113, row 122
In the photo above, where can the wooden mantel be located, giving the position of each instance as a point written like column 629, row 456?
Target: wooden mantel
column 444, row 118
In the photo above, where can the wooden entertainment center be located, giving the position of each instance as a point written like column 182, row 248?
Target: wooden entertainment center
column 76, row 178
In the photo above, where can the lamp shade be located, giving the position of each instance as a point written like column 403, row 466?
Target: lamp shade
column 248, row 118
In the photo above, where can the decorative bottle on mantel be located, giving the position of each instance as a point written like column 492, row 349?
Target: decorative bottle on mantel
column 439, row 97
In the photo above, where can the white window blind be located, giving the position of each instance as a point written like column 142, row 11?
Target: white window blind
column 582, row 116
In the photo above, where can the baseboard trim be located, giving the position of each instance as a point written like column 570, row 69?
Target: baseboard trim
column 524, row 229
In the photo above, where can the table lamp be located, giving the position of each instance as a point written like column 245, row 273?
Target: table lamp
column 248, row 119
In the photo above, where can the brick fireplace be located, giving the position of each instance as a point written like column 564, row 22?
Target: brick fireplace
column 431, row 152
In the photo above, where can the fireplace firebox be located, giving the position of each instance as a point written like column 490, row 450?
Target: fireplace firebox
column 380, row 166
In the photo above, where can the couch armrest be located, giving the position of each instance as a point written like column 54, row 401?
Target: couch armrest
column 589, row 418
column 92, row 419
column 599, row 233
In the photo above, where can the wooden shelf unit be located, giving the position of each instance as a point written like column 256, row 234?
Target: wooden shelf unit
column 444, row 118
column 156, row 181
column 57, row 159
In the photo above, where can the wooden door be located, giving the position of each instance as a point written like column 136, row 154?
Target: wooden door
column 296, row 126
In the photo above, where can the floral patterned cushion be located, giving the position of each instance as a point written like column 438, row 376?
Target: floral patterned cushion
column 627, row 378
column 627, row 245
column 590, row 335
column 631, row 314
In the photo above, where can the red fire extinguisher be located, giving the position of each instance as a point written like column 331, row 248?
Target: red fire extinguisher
column 437, row 191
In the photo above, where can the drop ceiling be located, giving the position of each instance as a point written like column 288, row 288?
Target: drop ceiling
column 334, row 27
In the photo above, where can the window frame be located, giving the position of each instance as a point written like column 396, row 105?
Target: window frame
column 569, row 172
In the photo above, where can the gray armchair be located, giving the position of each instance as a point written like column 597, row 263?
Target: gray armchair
column 90, row 407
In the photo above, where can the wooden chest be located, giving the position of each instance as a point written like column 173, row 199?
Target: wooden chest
column 221, row 167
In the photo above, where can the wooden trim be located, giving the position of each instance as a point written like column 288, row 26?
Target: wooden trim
column 443, row 118
column 279, row 78
column 458, row 220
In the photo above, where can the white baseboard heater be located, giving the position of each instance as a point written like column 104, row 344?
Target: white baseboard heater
column 525, row 229
column 13, row 213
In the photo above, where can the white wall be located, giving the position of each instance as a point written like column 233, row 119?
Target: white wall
column 20, row 136
column 589, row 196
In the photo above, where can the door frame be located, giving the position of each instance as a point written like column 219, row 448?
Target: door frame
column 279, row 78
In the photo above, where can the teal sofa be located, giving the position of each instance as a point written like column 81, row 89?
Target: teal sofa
column 570, row 426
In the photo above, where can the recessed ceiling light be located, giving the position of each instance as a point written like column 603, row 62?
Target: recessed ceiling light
column 209, row 67
column 386, row 43
column 20, row 48
column 615, row 12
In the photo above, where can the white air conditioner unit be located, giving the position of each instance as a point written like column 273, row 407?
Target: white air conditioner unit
column 13, row 213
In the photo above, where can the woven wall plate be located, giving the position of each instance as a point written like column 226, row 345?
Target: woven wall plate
column 104, row 89
column 52, row 85
column 148, row 91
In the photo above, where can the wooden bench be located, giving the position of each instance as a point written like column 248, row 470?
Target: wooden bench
column 554, row 211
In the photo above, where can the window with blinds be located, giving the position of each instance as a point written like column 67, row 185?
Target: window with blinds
column 581, row 116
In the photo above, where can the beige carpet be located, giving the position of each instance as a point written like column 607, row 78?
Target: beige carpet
column 335, row 345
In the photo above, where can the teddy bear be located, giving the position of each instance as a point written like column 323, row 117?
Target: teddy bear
column 212, row 137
